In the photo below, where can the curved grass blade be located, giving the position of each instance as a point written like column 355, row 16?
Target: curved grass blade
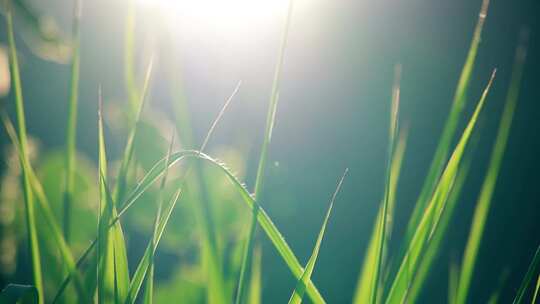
column 450, row 127
column 259, row 180
column 33, row 243
column 215, row 271
column 136, row 194
column 71, row 130
column 484, row 199
column 278, row 241
column 430, row 219
column 528, row 278
column 300, row 289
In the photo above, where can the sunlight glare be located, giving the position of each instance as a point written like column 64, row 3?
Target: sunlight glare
column 222, row 15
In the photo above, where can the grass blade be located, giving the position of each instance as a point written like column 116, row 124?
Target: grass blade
column 216, row 291
column 71, row 133
column 33, row 243
column 381, row 232
column 145, row 261
column 149, row 268
column 528, row 278
column 364, row 284
column 254, row 295
column 114, row 281
column 536, row 290
column 437, row 236
column 415, row 247
column 450, row 127
column 264, row 220
column 484, row 199
column 300, row 289
column 46, row 212
column 259, row 180
column 149, row 289
column 121, row 181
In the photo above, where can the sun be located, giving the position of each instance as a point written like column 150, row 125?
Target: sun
column 219, row 14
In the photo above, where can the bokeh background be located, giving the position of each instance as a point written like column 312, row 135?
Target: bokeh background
column 333, row 113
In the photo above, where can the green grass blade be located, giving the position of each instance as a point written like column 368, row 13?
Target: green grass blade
column 380, row 238
column 113, row 272
column 528, row 278
column 415, row 247
column 436, row 238
column 259, row 180
column 121, row 181
column 148, row 269
column 486, row 192
column 363, row 286
column 300, row 289
column 105, row 277
column 254, row 295
column 71, row 133
column 536, row 290
column 144, row 264
column 264, row 220
column 216, row 290
column 450, row 127
column 33, row 243
column 46, row 212
column 149, row 289
column 211, row 256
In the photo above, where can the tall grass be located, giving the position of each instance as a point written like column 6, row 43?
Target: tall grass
column 101, row 273
column 71, row 129
column 30, row 215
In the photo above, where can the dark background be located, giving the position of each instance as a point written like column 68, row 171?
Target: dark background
column 333, row 113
